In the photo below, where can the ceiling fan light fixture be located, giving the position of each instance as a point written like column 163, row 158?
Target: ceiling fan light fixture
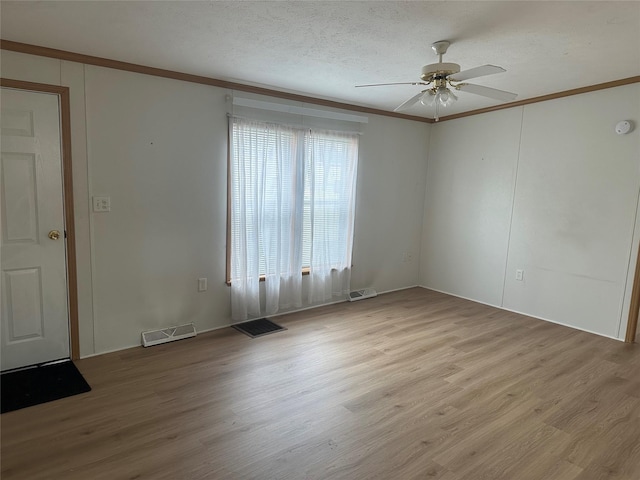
column 445, row 97
column 428, row 98
column 441, row 75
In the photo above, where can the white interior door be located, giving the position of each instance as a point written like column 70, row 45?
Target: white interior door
column 35, row 319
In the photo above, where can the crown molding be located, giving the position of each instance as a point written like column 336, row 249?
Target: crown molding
column 544, row 98
column 159, row 72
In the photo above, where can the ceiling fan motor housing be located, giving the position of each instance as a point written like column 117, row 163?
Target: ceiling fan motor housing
column 438, row 70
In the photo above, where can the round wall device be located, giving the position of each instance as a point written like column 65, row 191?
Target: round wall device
column 623, row 127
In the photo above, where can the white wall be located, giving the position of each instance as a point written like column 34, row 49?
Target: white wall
column 472, row 166
column 157, row 147
column 391, row 189
column 547, row 188
column 557, row 198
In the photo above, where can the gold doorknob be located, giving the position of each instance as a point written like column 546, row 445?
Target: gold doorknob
column 54, row 234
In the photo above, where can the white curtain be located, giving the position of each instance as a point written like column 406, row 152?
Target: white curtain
column 266, row 213
column 292, row 207
column 331, row 185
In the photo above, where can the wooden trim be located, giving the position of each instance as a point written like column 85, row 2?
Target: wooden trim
column 159, row 72
column 186, row 77
column 67, row 182
column 67, row 187
column 634, row 307
column 228, row 249
column 34, row 87
column 544, row 98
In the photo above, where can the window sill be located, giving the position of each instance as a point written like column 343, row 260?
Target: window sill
column 305, row 271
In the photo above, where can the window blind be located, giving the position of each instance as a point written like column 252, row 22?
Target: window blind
column 290, row 176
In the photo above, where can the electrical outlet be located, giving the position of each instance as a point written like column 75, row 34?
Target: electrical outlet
column 101, row 204
column 202, row 284
column 519, row 275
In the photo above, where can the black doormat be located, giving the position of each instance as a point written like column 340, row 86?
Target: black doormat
column 40, row 384
column 258, row 328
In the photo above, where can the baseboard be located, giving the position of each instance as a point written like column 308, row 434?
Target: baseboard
column 113, row 350
column 466, row 298
column 525, row 314
column 310, row 307
column 399, row 289
column 279, row 314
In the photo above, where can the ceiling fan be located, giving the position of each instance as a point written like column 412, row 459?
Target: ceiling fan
column 440, row 76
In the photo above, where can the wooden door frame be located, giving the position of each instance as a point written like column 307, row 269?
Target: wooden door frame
column 67, row 194
column 634, row 306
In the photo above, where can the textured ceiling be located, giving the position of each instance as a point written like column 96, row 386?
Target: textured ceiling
column 323, row 49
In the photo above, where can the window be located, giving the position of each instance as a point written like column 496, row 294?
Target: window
column 291, row 193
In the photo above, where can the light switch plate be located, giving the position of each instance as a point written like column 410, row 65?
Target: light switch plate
column 101, row 204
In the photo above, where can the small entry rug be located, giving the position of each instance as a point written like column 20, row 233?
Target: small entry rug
column 258, row 328
column 40, row 384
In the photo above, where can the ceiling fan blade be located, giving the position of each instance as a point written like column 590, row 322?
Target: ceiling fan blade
column 487, row 92
column 413, row 100
column 384, row 84
column 475, row 73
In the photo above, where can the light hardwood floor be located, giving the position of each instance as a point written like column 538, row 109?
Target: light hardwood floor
column 409, row 385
